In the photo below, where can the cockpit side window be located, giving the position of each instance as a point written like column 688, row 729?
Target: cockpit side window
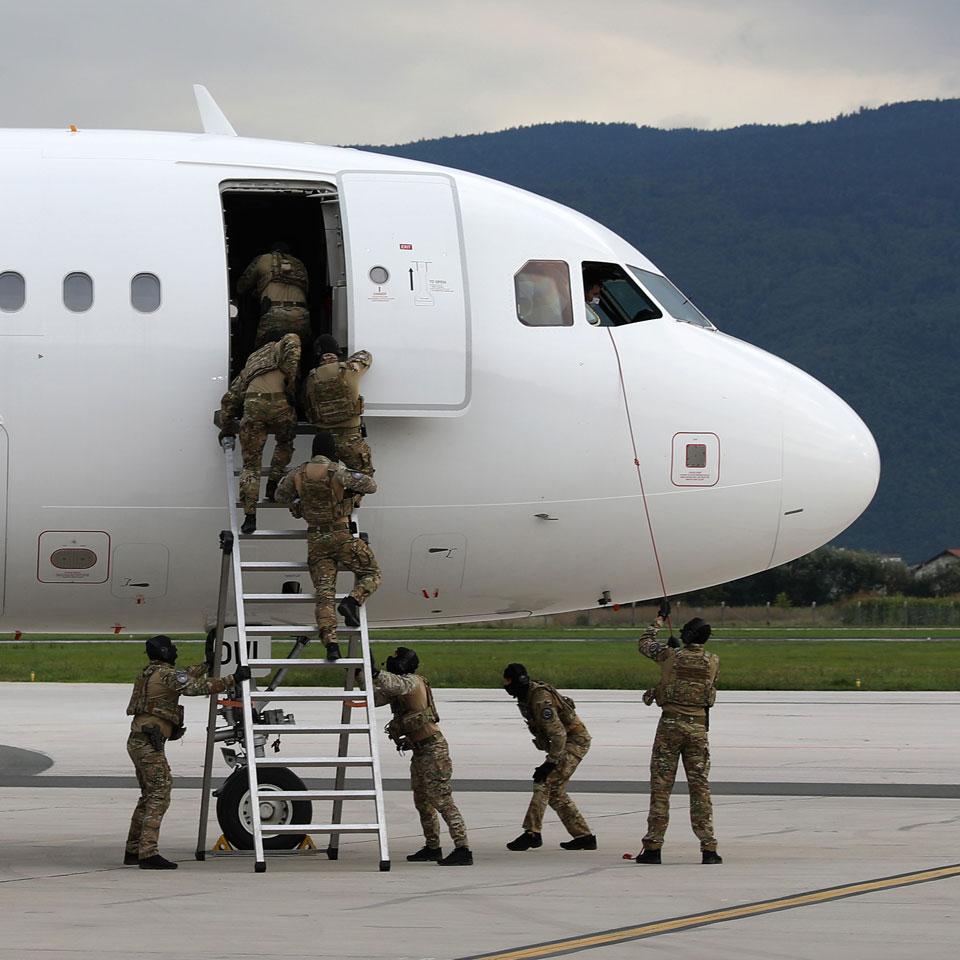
column 673, row 301
column 613, row 298
column 542, row 289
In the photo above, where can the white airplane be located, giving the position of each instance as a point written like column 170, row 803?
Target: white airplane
column 534, row 453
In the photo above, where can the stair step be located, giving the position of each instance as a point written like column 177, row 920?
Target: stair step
column 321, row 827
column 300, row 534
column 303, row 662
column 284, row 728
column 274, row 566
column 323, row 794
column 268, row 695
column 279, row 598
column 314, row 761
column 286, row 628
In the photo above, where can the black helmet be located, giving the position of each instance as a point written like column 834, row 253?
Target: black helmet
column 326, row 344
column 516, row 680
column 695, row 631
column 403, row 661
column 162, row 648
column 325, row 445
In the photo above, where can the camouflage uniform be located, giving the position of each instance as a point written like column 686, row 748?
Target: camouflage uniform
column 281, row 285
column 414, row 727
column 331, row 400
column 556, row 728
column 262, row 414
column 157, row 717
column 687, row 688
column 320, row 492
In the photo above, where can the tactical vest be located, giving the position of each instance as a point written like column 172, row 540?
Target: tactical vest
column 565, row 707
column 329, row 399
column 261, row 361
column 163, row 705
column 687, row 680
column 323, row 501
column 414, row 717
column 284, row 269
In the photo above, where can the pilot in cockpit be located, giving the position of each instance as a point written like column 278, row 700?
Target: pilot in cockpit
column 592, row 285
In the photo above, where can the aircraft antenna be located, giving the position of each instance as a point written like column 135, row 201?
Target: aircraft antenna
column 212, row 118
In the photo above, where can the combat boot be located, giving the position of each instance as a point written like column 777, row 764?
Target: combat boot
column 648, row 856
column 271, row 490
column 156, row 862
column 333, row 651
column 526, row 841
column 458, row 857
column 587, row 842
column 249, row 523
column 130, row 859
column 425, row 855
column 711, row 856
column 349, row 609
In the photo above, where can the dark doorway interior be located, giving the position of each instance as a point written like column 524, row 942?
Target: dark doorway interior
column 253, row 219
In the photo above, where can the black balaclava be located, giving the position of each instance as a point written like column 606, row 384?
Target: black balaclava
column 519, row 681
column 403, row 661
column 162, row 648
column 695, row 631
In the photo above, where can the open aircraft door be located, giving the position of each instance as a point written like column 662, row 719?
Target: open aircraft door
column 408, row 301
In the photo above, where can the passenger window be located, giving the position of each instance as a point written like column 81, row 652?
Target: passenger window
column 145, row 292
column 13, row 291
column 542, row 289
column 77, row 292
column 613, row 298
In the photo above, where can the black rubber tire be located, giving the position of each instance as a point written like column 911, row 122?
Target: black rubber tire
column 230, row 797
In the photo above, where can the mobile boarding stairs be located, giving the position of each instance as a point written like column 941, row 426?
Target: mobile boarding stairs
column 264, row 805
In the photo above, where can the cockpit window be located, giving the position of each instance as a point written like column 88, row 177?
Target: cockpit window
column 673, row 301
column 613, row 298
column 542, row 289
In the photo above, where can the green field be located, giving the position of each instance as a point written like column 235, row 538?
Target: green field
column 596, row 663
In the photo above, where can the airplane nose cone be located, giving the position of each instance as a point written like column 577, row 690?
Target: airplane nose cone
column 831, row 467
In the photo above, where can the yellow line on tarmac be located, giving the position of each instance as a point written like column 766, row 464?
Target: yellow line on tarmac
column 556, row 948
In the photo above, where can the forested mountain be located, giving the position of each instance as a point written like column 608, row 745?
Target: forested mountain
column 835, row 245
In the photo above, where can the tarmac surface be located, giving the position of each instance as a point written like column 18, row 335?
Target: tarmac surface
column 837, row 816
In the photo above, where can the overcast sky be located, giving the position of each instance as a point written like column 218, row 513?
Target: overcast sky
column 389, row 71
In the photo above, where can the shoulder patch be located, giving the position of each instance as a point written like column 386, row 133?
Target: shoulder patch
column 182, row 676
column 547, row 713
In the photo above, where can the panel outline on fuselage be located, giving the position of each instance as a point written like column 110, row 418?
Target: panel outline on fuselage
column 441, row 409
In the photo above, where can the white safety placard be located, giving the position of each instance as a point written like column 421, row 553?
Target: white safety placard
column 696, row 460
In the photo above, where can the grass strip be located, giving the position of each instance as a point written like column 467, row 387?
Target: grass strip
column 745, row 665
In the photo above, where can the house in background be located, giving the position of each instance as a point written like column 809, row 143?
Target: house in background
column 943, row 561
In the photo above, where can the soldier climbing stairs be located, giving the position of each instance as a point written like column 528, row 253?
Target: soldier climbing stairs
column 273, row 805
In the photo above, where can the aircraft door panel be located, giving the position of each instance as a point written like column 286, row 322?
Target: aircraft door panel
column 436, row 565
column 3, row 513
column 408, row 303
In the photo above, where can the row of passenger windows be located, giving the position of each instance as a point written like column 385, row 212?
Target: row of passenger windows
column 612, row 296
column 78, row 292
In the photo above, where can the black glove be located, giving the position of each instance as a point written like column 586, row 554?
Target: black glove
column 541, row 773
column 663, row 611
column 241, row 673
column 374, row 669
column 673, row 642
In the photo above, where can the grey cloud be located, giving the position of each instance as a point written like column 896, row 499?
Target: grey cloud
column 380, row 71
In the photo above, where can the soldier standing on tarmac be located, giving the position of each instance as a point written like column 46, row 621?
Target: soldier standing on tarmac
column 414, row 727
column 686, row 692
column 556, row 728
column 321, row 492
column 157, row 718
column 260, row 399
column 281, row 285
column 332, row 401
